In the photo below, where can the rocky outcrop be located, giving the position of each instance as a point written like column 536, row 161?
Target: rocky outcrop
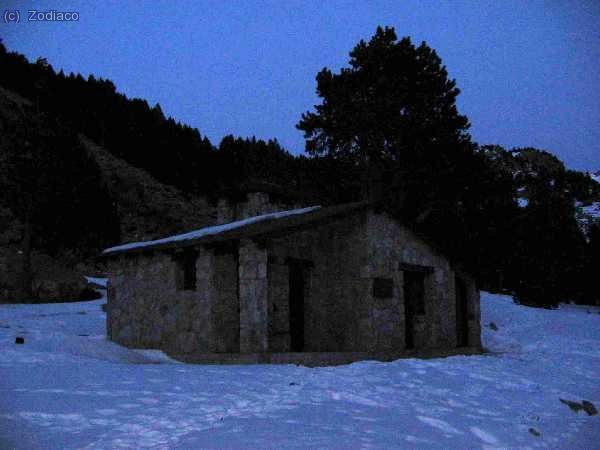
column 54, row 282
column 50, row 280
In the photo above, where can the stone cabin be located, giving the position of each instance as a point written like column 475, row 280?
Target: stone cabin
column 272, row 282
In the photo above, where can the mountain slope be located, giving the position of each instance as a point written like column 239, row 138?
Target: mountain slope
column 64, row 198
column 147, row 208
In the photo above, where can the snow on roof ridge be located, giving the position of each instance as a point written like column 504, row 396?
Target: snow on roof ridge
column 215, row 229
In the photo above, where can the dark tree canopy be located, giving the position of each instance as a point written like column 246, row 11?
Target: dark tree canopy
column 391, row 114
column 388, row 120
column 393, row 98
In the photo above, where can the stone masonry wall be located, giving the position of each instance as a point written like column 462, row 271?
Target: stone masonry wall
column 226, row 308
column 256, row 204
column 145, row 309
column 241, row 300
column 278, row 304
column 334, row 312
column 253, row 295
column 341, row 312
column 391, row 243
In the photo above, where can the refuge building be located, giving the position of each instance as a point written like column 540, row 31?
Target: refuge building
column 271, row 283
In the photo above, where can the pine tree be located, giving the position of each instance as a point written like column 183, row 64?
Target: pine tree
column 393, row 99
column 549, row 245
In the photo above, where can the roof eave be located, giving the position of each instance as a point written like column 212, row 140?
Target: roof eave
column 250, row 231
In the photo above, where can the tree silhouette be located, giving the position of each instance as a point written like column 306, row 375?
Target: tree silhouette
column 394, row 98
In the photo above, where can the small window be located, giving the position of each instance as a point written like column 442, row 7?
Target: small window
column 186, row 271
column 383, row 287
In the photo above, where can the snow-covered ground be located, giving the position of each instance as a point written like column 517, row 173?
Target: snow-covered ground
column 592, row 210
column 67, row 387
column 101, row 282
column 587, row 215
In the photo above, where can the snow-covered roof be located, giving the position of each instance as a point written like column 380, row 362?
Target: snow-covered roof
column 208, row 231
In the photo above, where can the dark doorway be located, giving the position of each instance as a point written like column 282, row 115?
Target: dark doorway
column 414, row 303
column 186, row 270
column 462, row 319
column 296, row 307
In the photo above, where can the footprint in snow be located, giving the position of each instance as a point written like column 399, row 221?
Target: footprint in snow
column 128, row 405
column 149, row 401
column 439, row 424
column 486, row 437
column 106, row 412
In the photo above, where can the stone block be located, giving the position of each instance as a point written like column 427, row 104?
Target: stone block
column 184, row 342
column 439, row 276
column 125, row 335
column 155, row 334
column 170, row 322
column 261, row 270
column 366, row 271
column 248, row 271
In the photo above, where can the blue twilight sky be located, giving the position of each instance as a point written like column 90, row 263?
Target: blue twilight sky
column 529, row 71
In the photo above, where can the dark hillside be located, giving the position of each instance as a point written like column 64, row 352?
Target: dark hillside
column 50, row 183
column 84, row 167
column 54, row 208
column 146, row 208
column 172, row 153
